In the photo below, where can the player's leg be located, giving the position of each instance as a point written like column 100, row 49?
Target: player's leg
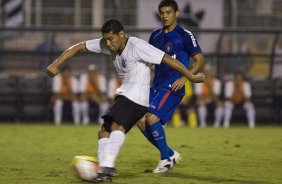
column 84, row 109
column 218, row 114
column 121, row 117
column 228, row 108
column 251, row 113
column 58, row 111
column 75, row 112
column 161, row 108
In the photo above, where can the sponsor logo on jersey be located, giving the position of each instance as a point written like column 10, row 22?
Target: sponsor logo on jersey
column 123, row 63
column 192, row 38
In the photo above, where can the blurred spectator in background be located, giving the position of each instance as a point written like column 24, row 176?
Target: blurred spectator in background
column 238, row 92
column 92, row 94
column 46, row 50
column 113, row 85
column 277, row 66
column 185, row 113
column 208, row 98
column 65, row 89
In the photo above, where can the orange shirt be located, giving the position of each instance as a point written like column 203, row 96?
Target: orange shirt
column 93, row 86
column 238, row 94
column 207, row 91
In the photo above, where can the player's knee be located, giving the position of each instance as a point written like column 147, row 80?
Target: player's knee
column 115, row 126
column 141, row 124
column 103, row 133
column 151, row 118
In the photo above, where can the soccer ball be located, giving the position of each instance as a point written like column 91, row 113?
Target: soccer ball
column 85, row 167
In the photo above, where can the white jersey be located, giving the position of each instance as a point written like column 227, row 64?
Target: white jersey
column 132, row 66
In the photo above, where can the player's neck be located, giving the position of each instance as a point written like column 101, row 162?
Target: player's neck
column 123, row 45
column 168, row 29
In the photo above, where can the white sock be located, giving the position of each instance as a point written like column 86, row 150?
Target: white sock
column 251, row 113
column 85, row 112
column 228, row 108
column 202, row 110
column 58, row 112
column 102, row 144
column 218, row 114
column 116, row 141
column 75, row 112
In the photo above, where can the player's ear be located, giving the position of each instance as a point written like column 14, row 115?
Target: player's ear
column 177, row 14
column 121, row 34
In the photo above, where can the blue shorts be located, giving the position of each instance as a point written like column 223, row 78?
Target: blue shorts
column 163, row 103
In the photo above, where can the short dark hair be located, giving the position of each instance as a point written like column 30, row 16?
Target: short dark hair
column 65, row 68
column 171, row 3
column 112, row 25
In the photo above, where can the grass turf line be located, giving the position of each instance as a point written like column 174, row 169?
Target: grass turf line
column 34, row 153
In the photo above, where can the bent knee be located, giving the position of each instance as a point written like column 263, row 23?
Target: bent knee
column 151, row 118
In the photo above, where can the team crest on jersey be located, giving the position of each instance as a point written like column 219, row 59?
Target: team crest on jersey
column 168, row 47
column 123, row 63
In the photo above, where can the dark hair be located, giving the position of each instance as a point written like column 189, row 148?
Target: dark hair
column 65, row 68
column 170, row 3
column 112, row 25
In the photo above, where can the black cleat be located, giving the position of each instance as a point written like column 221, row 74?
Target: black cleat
column 104, row 175
column 113, row 171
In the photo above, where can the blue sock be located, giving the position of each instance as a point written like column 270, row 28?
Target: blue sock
column 151, row 139
column 158, row 134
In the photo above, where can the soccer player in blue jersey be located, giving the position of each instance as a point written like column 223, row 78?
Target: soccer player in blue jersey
column 167, row 89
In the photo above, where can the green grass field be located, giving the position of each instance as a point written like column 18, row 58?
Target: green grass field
column 34, row 153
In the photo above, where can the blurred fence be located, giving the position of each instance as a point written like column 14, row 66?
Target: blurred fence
column 24, row 54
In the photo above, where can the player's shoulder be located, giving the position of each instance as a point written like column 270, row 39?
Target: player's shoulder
column 156, row 31
column 184, row 32
column 137, row 42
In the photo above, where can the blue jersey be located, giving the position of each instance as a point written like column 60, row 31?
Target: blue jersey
column 180, row 44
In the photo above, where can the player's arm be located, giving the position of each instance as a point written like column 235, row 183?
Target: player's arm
column 175, row 64
column 198, row 63
column 53, row 68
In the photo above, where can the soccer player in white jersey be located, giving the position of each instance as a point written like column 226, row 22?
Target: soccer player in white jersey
column 132, row 58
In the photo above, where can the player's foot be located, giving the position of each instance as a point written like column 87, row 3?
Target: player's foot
column 175, row 158
column 163, row 166
column 113, row 171
column 166, row 165
column 104, row 175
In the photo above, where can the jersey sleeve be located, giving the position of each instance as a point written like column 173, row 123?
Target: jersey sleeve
column 98, row 46
column 56, row 84
column 148, row 53
column 83, row 83
column 191, row 44
column 228, row 89
column 217, row 87
column 247, row 90
column 151, row 39
column 74, row 85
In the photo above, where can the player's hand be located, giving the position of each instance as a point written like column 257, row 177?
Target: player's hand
column 178, row 84
column 198, row 78
column 52, row 70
